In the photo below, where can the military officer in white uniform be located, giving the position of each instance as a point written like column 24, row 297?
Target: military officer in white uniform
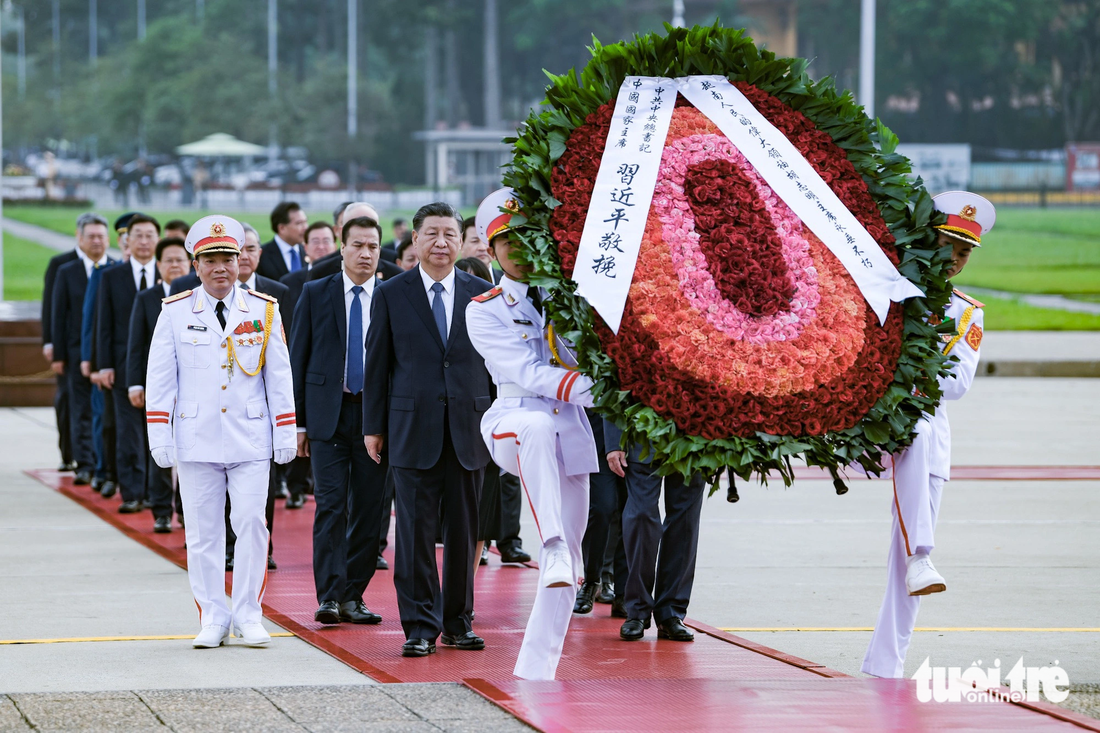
column 219, row 402
column 536, row 430
column 920, row 473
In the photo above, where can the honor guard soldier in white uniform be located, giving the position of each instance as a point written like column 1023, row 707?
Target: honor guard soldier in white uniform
column 536, row 430
column 219, row 401
column 921, row 471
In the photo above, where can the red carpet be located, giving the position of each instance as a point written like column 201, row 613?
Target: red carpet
column 603, row 683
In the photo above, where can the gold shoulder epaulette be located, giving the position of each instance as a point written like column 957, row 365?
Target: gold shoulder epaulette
column 488, row 295
column 972, row 301
column 177, row 296
column 265, row 296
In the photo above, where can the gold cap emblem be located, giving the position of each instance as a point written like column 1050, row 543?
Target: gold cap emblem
column 511, row 205
column 217, row 229
column 968, row 212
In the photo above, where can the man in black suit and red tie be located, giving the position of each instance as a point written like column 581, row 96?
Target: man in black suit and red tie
column 284, row 253
column 173, row 262
column 327, row 358
column 428, row 422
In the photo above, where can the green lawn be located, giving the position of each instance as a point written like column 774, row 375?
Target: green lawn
column 63, row 220
column 1011, row 315
column 1039, row 251
column 24, row 268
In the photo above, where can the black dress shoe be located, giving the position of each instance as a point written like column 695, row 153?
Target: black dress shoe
column 468, row 641
column 327, row 613
column 633, row 629
column 381, row 564
column 108, row 489
column 585, row 595
column 417, row 648
column 606, row 594
column 162, row 525
column 97, row 483
column 271, row 563
column 281, row 491
column 357, row 613
column 513, row 554
column 83, row 478
column 618, row 608
column 228, row 563
column 296, row 502
column 673, row 629
column 129, row 507
column 484, row 560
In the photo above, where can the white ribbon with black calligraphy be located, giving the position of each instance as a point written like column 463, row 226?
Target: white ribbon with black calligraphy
column 613, row 230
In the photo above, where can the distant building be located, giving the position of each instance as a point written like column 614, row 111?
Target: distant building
column 468, row 159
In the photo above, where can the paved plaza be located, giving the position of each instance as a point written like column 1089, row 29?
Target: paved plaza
column 798, row 569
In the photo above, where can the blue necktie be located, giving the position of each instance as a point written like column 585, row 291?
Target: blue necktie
column 296, row 261
column 355, row 343
column 439, row 312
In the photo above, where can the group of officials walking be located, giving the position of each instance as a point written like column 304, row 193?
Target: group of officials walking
column 400, row 378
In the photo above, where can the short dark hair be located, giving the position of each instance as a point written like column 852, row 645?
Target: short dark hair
column 143, row 219
column 280, row 215
column 471, row 222
column 436, row 208
column 179, row 224
column 340, row 210
column 404, row 244
column 321, row 225
column 398, row 222
column 364, row 222
column 475, row 267
column 171, row 242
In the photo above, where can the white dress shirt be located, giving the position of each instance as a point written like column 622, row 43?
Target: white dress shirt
column 88, row 264
column 284, row 249
column 448, row 293
column 250, row 283
column 364, row 305
column 167, row 287
column 150, row 269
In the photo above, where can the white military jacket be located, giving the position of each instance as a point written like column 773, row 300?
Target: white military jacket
column 205, row 406
column 963, row 344
column 510, row 335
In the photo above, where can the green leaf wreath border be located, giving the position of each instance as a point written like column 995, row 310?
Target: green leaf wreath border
column 870, row 146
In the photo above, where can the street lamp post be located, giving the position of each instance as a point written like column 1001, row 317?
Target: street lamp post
column 867, row 58
column 353, row 93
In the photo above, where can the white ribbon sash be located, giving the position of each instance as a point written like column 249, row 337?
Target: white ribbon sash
column 613, row 231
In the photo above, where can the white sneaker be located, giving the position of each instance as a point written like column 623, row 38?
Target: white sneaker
column 253, row 635
column 211, row 637
column 558, row 570
column 921, row 577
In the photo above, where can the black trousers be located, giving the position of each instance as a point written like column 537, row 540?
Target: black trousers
column 660, row 558
column 348, row 489
column 297, row 475
column 511, row 504
column 607, row 497
column 387, row 513
column 130, row 453
column 158, row 487
column 61, row 408
column 419, row 493
column 110, row 437
column 80, row 417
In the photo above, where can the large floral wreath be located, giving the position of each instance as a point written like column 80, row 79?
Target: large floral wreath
column 744, row 341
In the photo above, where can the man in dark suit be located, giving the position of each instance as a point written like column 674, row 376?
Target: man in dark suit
column 660, row 557
column 283, row 254
column 429, row 423
column 320, row 243
column 173, row 262
column 389, row 250
column 331, row 264
column 115, row 302
column 327, row 363
column 65, row 322
column 61, row 395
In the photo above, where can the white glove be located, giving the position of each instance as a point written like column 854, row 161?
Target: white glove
column 581, row 393
column 285, row 455
column 165, row 457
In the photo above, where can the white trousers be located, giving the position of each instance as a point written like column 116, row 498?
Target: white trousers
column 525, row 444
column 915, row 504
column 202, row 488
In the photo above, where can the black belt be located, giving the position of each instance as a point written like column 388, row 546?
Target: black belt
column 353, row 398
